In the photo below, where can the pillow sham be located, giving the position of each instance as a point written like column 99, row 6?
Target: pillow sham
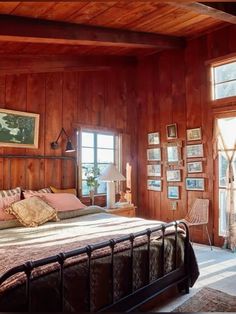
column 30, row 193
column 71, row 191
column 32, row 212
column 62, row 201
column 7, row 198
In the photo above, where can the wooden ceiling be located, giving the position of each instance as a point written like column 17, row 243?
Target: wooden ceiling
column 169, row 19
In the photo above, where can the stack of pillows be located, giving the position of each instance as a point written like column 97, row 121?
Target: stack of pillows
column 37, row 207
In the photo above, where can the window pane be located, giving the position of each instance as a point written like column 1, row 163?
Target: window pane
column 105, row 155
column 84, row 169
column 105, row 141
column 87, row 139
column 222, row 213
column 102, row 167
column 87, row 155
column 102, row 188
column 225, row 90
column 223, row 164
column 85, row 188
column 225, row 72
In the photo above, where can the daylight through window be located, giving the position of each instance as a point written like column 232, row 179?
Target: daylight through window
column 224, row 80
column 97, row 151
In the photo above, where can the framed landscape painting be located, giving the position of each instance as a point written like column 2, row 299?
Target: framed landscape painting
column 195, row 184
column 154, row 154
column 19, row 129
column 154, row 185
column 154, row 170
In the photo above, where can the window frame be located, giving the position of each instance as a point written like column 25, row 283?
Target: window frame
column 96, row 132
column 231, row 100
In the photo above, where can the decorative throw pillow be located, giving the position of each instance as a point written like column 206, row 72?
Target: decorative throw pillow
column 71, row 191
column 32, row 212
column 62, row 201
column 67, row 214
column 7, row 198
column 29, row 193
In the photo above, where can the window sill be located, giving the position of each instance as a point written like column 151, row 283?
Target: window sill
column 229, row 101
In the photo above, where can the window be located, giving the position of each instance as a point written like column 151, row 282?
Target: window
column 97, row 150
column 224, row 80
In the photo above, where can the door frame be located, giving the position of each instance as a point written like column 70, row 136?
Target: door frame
column 218, row 240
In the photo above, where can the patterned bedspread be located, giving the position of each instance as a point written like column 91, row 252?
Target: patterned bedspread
column 18, row 245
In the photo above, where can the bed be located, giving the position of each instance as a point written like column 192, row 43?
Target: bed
column 94, row 261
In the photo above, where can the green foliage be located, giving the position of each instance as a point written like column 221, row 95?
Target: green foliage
column 92, row 175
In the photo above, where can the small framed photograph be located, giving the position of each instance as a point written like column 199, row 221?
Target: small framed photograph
column 173, row 154
column 153, row 154
column 195, row 184
column 173, row 192
column 194, row 167
column 171, row 131
column 153, row 138
column 173, row 175
column 193, row 151
column 154, row 185
column 194, row 134
column 154, row 170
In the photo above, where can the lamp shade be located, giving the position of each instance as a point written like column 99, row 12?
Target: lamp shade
column 69, row 147
column 111, row 174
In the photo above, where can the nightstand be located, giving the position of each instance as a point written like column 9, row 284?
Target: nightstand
column 128, row 211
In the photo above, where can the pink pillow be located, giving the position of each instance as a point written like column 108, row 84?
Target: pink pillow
column 62, row 201
column 6, row 202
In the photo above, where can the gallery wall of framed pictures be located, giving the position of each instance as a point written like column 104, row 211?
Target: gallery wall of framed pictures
column 167, row 161
column 154, row 157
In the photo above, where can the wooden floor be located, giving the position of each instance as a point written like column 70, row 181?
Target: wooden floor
column 217, row 270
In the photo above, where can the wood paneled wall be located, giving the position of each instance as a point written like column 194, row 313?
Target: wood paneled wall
column 173, row 87
column 64, row 99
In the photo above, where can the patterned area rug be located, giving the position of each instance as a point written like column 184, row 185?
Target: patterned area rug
column 209, row 300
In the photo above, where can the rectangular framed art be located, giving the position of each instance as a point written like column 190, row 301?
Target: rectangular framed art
column 173, row 192
column 153, row 138
column 194, row 167
column 153, row 154
column 193, row 151
column 19, row 129
column 194, row 134
column 173, row 175
column 195, row 184
column 154, row 185
column 154, row 170
column 171, row 131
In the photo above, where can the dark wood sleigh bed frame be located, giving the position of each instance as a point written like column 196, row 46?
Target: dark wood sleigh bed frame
column 178, row 276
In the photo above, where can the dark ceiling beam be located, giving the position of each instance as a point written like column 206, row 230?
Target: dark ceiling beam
column 22, row 29
column 211, row 9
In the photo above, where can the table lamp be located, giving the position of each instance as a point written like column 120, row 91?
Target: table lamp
column 110, row 175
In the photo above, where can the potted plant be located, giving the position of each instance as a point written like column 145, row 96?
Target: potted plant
column 92, row 175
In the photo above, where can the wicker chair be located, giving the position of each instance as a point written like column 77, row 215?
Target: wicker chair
column 198, row 215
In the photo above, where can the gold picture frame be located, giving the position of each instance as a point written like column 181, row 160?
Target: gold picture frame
column 19, row 129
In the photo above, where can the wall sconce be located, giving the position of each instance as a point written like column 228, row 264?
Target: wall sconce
column 69, row 146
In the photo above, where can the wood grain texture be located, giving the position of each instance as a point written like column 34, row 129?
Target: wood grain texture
column 66, row 99
column 173, row 87
column 143, row 16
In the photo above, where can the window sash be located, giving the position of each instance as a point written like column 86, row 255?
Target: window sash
column 95, row 148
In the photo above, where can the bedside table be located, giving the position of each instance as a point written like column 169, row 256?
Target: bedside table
column 128, row 211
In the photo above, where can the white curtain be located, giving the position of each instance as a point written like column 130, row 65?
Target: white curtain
column 225, row 132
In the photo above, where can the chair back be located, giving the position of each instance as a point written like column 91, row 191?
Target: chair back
column 198, row 214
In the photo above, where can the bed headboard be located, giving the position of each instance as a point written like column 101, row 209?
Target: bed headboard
column 36, row 171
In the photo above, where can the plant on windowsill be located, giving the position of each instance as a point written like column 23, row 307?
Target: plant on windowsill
column 92, row 175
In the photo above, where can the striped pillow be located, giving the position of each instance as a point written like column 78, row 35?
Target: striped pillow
column 5, row 193
column 7, row 198
column 28, row 193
